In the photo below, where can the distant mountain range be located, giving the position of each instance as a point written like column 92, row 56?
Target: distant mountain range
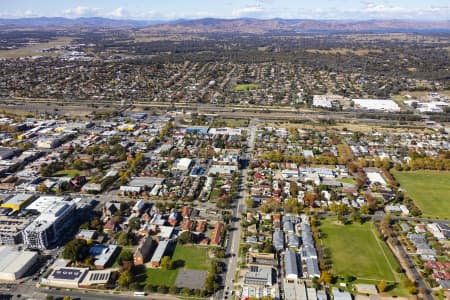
column 65, row 22
column 265, row 26
column 243, row 25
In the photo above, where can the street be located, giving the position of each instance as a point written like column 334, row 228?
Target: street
column 235, row 234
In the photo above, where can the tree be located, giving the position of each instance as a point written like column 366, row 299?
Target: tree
column 293, row 189
column 76, row 250
column 350, row 278
column 325, row 277
column 186, row 291
column 315, row 282
column 356, row 216
column 219, row 252
column 124, row 239
column 382, row 286
column 125, row 278
column 42, row 188
column 250, row 202
column 291, row 205
column 134, row 223
column 162, row 289
column 174, row 290
column 364, row 209
column 150, row 288
column 125, row 256
column 186, row 237
column 166, row 263
column 80, row 165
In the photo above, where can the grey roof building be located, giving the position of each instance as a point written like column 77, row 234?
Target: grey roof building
column 288, row 226
column 312, row 267
column 259, row 275
column 278, row 240
column 293, row 240
column 291, row 264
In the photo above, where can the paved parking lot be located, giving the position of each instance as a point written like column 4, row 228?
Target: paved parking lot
column 191, row 279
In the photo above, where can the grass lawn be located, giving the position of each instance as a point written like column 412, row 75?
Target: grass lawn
column 348, row 180
column 355, row 250
column 194, row 258
column 246, row 87
column 68, row 173
column 230, row 123
column 161, row 277
column 215, row 193
column 430, row 190
column 187, row 257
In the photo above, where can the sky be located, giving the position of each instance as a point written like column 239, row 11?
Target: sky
column 262, row 9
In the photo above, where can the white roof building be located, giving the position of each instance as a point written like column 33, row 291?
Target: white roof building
column 14, row 264
column 376, row 104
column 182, row 164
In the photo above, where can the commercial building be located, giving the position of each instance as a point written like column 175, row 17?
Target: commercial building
column 338, row 295
column 14, row 263
column 11, row 228
column 57, row 214
column 17, row 202
column 139, row 184
column 295, row 291
column 197, row 129
column 376, row 104
column 259, row 276
column 65, row 277
column 222, row 169
column 182, row 164
column 103, row 255
column 50, row 142
column 95, row 277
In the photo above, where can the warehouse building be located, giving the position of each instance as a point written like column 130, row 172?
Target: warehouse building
column 19, row 201
column 14, row 263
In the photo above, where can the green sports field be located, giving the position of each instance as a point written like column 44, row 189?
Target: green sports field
column 356, row 250
column 246, row 87
column 430, row 190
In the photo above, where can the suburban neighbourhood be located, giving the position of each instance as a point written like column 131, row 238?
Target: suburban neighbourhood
column 139, row 203
column 216, row 150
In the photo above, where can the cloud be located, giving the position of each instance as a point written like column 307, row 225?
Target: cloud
column 380, row 10
column 264, row 9
column 251, row 10
column 119, row 12
column 29, row 13
column 81, row 11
